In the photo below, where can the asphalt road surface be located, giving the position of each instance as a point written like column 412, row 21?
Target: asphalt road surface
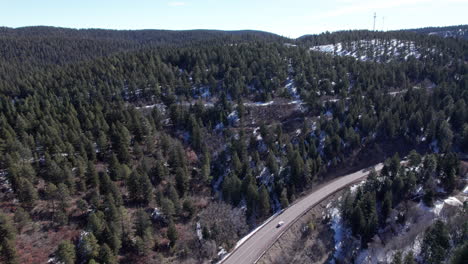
column 252, row 249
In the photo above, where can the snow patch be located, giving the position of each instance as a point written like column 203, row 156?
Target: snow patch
column 199, row 231
column 291, row 87
column 258, row 135
column 363, row 257
column 259, row 103
column 453, row 201
column 465, row 191
column 221, row 252
column 219, row 126
column 340, row 232
column 376, row 49
column 355, row 187
column 434, row 146
column 146, row 106
column 436, row 209
column 233, row 117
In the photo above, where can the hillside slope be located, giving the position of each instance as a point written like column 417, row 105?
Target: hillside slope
column 460, row 32
column 161, row 146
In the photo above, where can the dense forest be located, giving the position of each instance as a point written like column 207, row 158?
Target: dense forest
column 384, row 200
column 460, row 31
column 140, row 146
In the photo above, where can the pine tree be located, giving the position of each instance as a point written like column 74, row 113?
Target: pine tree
column 465, row 138
column 112, row 234
column 370, row 213
column 444, row 136
column 236, row 163
column 386, row 205
column 146, row 188
column 96, row 223
column 195, row 130
column 62, row 195
column 173, row 195
column 114, row 168
column 449, row 181
column 88, row 247
column 264, row 202
column 142, row 224
column 182, row 180
column 436, row 243
column 397, row 258
column 141, row 247
column 121, row 142
column 409, row 258
column 7, row 240
column 139, row 187
column 394, row 165
column 106, row 255
column 460, row 255
column 167, row 206
column 172, row 234
column 21, row 218
column 232, row 189
column 428, row 197
column 51, row 194
column 284, row 199
column 206, row 172
column 410, row 183
column 189, row 208
column 66, row 252
column 27, row 194
column 133, row 186
column 92, row 177
column 272, row 164
column 252, row 198
column 357, row 221
column 159, row 173
column 297, row 170
column 414, row 158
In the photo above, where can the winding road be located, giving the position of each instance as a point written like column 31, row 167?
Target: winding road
column 256, row 245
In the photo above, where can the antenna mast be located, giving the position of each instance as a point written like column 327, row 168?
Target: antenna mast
column 383, row 23
column 375, row 16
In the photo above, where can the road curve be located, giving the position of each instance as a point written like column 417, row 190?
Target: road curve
column 254, row 247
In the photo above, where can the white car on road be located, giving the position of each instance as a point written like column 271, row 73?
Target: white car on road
column 280, row 223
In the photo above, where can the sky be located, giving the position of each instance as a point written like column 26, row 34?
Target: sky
column 290, row 18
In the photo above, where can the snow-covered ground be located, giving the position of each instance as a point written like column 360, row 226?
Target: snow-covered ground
column 160, row 106
column 257, row 134
column 434, row 146
column 5, row 184
column 451, row 33
column 436, row 209
column 233, row 117
column 375, row 49
column 292, row 89
column 340, row 232
column 440, row 204
column 405, row 239
column 201, row 91
column 259, row 103
column 355, row 187
column 266, row 178
column 199, row 231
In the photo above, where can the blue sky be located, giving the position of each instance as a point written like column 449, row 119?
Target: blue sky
column 291, row 18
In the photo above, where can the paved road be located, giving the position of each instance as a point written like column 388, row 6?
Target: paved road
column 253, row 248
